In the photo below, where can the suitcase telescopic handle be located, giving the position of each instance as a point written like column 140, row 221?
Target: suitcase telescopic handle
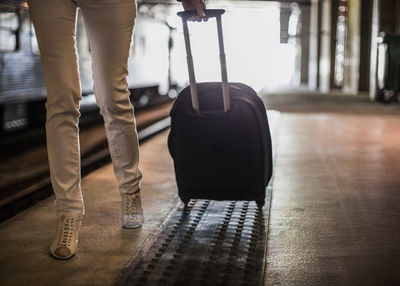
column 185, row 15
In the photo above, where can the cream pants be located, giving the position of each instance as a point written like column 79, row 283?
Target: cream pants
column 109, row 24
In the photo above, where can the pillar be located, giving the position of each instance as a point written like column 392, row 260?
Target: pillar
column 325, row 52
column 313, row 46
column 352, row 54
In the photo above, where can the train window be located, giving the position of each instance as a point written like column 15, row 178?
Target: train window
column 34, row 43
column 8, row 31
column 139, row 45
column 82, row 39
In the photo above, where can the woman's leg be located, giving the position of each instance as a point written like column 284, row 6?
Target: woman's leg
column 54, row 23
column 110, row 25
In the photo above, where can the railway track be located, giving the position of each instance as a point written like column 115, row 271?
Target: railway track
column 25, row 178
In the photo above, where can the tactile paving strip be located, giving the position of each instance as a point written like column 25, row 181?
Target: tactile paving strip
column 206, row 243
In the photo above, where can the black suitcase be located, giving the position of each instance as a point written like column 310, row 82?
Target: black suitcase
column 219, row 140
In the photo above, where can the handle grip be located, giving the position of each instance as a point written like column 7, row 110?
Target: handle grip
column 193, row 87
column 210, row 13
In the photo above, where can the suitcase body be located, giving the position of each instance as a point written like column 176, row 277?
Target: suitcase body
column 221, row 155
column 219, row 138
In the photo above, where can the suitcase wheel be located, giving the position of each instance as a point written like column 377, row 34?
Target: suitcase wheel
column 185, row 201
column 260, row 203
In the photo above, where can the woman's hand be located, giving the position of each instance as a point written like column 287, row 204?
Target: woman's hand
column 199, row 6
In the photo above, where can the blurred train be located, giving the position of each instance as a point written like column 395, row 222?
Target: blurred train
column 22, row 87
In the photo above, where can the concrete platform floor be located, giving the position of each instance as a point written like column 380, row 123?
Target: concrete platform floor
column 335, row 212
column 105, row 249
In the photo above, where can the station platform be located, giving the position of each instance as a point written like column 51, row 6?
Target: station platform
column 331, row 216
column 336, row 192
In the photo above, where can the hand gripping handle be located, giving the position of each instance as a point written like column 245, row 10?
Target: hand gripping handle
column 210, row 13
column 224, row 75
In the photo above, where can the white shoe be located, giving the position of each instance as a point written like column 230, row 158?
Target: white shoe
column 132, row 212
column 65, row 243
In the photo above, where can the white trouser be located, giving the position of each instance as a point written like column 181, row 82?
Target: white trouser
column 109, row 24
